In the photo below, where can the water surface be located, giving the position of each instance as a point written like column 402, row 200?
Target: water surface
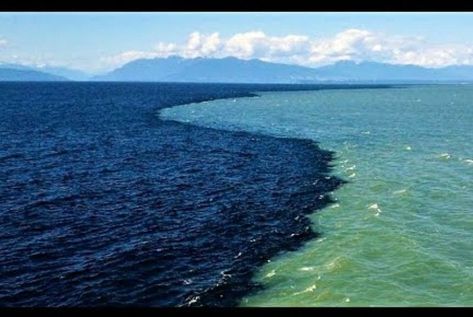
column 103, row 203
column 400, row 232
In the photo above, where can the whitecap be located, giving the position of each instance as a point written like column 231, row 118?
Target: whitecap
column 373, row 206
column 444, row 155
column 401, row 191
column 311, row 288
column 408, row 148
column 187, row 281
column 194, row 300
column 352, row 175
column 468, row 161
column 271, row 274
column 334, row 206
column 307, row 268
column 308, row 289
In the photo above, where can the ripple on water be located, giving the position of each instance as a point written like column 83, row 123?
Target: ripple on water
column 408, row 167
column 109, row 205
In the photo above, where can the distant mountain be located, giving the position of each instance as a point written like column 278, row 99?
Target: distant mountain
column 68, row 73
column 15, row 66
column 10, row 74
column 225, row 70
column 72, row 74
column 233, row 70
column 379, row 72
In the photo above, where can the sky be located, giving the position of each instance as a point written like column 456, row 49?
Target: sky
column 99, row 42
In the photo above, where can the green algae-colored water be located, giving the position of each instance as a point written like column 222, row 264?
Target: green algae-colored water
column 401, row 230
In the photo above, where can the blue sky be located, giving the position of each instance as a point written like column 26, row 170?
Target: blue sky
column 98, row 42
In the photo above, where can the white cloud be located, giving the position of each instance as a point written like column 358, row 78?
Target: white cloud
column 202, row 45
column 197, row 45
column 359, row 45
column 128, row 56
column 3, row 42
column 435, row 55
column 257, row 44
column 350, row 44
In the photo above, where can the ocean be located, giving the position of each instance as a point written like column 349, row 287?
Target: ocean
column 140, row 194
column 399, row 231
column 103, row 203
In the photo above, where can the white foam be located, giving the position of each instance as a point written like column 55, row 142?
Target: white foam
column 444, row 155
column 468, row 161
column 351, row 168
column 408, row 148
column 271, row 274
column 401, row 191
column 187, row 282
column 307, row 268
column 311, row 288
column 308, row 289
column 375, row 207
column 334, row 206
column 194, row 300
column 352, row 175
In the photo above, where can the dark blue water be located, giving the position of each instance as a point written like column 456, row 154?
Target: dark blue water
column 102, row 203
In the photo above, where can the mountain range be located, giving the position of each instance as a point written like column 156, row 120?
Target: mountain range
column 234, row 70
column 12, row 74
column 16, row 72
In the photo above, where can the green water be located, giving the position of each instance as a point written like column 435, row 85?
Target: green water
column 401, row 231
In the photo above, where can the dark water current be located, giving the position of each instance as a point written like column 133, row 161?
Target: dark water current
column 102, row 203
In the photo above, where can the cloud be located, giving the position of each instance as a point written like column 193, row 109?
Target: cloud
column 3, row 42
column 197, row 45
column 257, row 44
column 202, row 45
column 128, row 56
column 363, row 45
column 350, row 44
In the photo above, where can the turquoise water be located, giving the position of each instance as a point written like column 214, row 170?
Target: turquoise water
column 401, row 230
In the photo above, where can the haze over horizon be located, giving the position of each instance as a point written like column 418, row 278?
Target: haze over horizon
column 99, row 42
